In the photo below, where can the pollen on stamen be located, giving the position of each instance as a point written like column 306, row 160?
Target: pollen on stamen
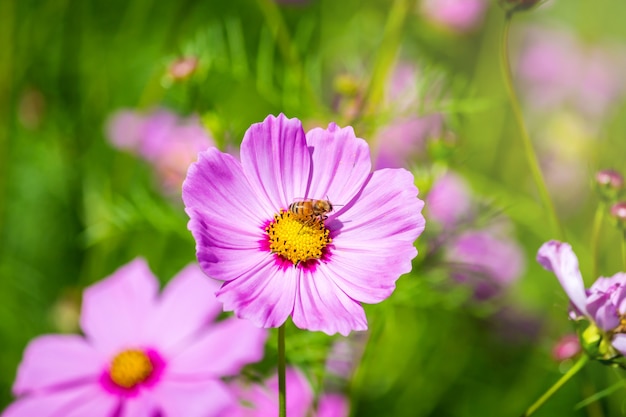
column 130, row 367
column 296, row 239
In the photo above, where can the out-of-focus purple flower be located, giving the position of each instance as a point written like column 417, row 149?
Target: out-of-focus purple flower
column 604, row 303
column 557, row 71
column 403, row 138
column 455, row 15
column 279, row 262
column 400, row 141
column 485, row 261
column 262, row 400
column 168, row 142
column 449, row 201
column 142, row 354
column 566, row 348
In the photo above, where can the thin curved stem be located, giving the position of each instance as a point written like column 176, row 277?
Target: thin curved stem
column 282, row 389
column 280, row 33
column 528, row 146
column 554, row 388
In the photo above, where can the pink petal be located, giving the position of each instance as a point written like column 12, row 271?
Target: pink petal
column 322, row 306
column 341, row 164
column 216, row 190
column 276, row 160
column 619, row 343
column 115, row 309
column 559, row 258
column 227, row 219
column 264, row 295
column 88, row 400
column 369, row 274
column 186, row 306
column 221, row 351
column 193, row 399
column 226, row 257
column 373, row 239
column 387, row 208
column 143, row 405
column 55, row 360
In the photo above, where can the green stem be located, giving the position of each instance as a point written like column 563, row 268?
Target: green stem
column 554, row 388
column 528, row 146
column 386, row 55
column 280, row 33
column 595, row 237
column 282, row 389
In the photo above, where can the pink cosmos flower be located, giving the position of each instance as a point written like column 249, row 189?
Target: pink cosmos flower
column 457, row 15
column 604, row 303
column 279, row 262
column 485, row 261
column 142, row 354
column 262, row 400
column 168, row 142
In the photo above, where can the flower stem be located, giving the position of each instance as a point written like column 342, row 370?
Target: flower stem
column 282, row 390
column 595, row 236
column 287, row 48
column 554, row 388
column 528, row 146
column 386, row 55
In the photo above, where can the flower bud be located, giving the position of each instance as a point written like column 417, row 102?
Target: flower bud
column 618, row 212
column 182, row 68
column 566, row 348
column 609, row 183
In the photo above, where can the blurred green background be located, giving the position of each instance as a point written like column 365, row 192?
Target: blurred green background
column 73, row 209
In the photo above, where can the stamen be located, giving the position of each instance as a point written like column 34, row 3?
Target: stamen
column 297, row 239
column 130, row 368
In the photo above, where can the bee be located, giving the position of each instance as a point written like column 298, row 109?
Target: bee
column 310, row 209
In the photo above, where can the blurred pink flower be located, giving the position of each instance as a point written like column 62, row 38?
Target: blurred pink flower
column 556, row 70
column 142, row 354
column 456, row 15
column 262, row 400
column 566, row 348
column 449, row 201
column 402, row 139
column 485, row 261
column 168, row 142
column 183, row 68
column 276, row 264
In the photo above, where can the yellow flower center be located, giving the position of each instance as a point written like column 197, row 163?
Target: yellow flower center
column 130, row 368
column 297, row 239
